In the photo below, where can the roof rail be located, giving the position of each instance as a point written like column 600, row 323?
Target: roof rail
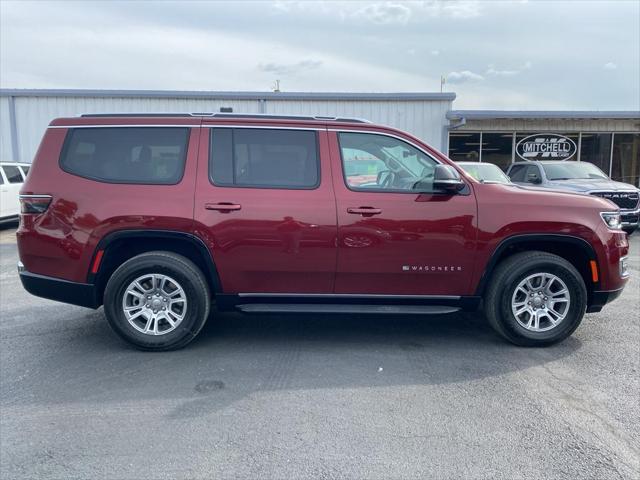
column 265, row 116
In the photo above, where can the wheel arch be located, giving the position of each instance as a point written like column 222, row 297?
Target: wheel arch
column 574, row 249
column 117, row 247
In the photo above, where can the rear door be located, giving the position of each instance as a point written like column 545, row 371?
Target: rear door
column 9, row 190
column 394, row 239
column 266, row 209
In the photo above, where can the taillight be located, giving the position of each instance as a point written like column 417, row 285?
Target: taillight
column 34, row 203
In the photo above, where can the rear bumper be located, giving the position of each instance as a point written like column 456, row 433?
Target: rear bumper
column 9, row 218
column 600, row 298
column 82, row 294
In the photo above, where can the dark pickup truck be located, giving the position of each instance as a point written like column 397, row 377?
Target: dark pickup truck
column 581, row 177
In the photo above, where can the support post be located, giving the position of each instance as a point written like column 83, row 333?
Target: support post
column 13, row 127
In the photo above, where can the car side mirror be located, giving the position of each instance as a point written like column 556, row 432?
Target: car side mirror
column 447, row 179
column 533, row 178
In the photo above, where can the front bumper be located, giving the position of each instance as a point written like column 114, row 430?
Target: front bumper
column 600, row 298
column 82, row 294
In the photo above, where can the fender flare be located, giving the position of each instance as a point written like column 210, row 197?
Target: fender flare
column 508, row 242
column 205, row 253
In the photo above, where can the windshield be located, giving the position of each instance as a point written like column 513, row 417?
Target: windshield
column 573, row 170
column 486, row 172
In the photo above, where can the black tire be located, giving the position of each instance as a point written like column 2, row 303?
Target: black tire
column 175, row 266
column 504, row 282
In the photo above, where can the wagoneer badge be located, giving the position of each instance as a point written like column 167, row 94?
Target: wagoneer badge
column 546, row 146
column 431, row 268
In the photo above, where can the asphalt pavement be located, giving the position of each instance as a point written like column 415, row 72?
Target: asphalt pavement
column 315, row 396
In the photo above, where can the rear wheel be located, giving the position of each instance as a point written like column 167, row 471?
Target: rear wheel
column 535, row 299
column 157, row 301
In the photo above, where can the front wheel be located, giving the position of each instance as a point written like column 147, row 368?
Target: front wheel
column 157, row 301
column 536, row 299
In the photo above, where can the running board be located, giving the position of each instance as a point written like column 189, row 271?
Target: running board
column 345, row 308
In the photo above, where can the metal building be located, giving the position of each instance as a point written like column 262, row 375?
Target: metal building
column 609, row 140
column 25, row 114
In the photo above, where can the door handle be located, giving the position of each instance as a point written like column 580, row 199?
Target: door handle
column 365, row 211
column 224, row 207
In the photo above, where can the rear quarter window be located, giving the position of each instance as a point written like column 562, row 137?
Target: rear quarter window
column 138, row 155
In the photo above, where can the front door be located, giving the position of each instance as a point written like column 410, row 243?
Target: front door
column 395, row 235
column 265, row 208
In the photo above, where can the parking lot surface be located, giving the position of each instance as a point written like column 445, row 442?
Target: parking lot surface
column 315, row 396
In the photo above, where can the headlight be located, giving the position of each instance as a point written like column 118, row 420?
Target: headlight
column 612, row 219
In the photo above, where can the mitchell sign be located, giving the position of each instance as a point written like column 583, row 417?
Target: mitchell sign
column 546, row 146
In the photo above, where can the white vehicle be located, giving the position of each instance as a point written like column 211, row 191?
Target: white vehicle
column 12, row 177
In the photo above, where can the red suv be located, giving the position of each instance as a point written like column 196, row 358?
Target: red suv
column 161, row 217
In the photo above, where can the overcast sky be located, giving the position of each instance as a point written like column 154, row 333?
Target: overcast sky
column 533, row 54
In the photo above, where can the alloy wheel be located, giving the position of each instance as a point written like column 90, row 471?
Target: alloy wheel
column 540, row 302
column 154, row 304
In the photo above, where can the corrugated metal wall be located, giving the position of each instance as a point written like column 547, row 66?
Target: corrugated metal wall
column 5, row 130
column 33, row 114
column 424, row 118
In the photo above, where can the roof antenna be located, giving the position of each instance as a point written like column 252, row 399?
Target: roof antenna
column 276, row 86
column 442, row 82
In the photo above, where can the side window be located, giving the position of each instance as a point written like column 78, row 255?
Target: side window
column 525, row 174
column 25, row 170
column 517, row 173
column 138, row 155
column 532, row 174
column 380, row 162
column 13, row 174
column 264, row 158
